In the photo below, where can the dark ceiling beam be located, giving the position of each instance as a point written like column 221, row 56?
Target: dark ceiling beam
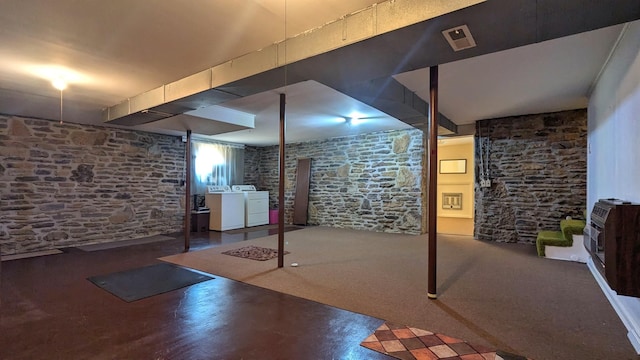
column 395, row 99
column 496, row 25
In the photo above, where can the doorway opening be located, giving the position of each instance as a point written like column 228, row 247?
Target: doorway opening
column 456, row 178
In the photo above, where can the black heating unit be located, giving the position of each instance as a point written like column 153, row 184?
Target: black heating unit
column 613, row 239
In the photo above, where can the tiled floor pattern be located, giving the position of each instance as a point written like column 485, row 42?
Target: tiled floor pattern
column 407, row 343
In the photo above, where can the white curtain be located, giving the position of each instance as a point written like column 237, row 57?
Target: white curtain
column 216, row 164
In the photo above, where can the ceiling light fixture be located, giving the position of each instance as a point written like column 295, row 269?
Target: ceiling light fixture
column 59, row 84
column 352, row 121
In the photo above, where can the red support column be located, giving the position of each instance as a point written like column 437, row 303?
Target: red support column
column 187, row 194
column 281, row 185
column 433, row 177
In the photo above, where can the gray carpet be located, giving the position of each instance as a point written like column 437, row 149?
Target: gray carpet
column 498, row 295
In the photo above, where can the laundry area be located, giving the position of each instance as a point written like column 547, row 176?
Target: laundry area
column 227, row 208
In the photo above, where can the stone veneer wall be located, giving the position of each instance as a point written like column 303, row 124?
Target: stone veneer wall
column 251, row 165
column 538, row 171
column 369, row 182
column 67, row 184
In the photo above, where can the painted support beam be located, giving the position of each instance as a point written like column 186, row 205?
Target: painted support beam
column 433, row 180
column 187, row 194
column 283, row 101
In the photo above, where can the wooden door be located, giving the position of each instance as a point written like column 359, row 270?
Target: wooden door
column 301, row 201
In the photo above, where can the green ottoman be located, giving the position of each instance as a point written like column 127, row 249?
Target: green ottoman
column 553, row 238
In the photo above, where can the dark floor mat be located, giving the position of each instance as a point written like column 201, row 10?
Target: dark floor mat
column 136, row 284
column 122, row 243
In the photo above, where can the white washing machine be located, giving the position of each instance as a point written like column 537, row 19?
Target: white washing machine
column 226, row 207
column 256, row 205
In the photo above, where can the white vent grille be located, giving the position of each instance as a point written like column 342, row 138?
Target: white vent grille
column 459, row 38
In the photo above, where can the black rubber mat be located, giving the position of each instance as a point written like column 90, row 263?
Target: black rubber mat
column 140, row 283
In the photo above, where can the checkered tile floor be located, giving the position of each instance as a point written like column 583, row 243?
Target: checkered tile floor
column 407, row 343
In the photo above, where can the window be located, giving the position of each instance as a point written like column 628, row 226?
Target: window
column 216, row 164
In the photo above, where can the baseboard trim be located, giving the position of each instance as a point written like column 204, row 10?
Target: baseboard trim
column 618, row 306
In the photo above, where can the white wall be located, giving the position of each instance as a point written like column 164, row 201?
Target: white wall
column 613, row 165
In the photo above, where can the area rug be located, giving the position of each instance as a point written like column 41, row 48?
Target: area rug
column 254, row 253
column 408, row 343
column 140, row 283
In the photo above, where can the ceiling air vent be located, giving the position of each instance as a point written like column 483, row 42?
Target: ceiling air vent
column 459, row 38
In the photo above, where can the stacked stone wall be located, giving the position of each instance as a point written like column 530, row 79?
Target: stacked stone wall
column 252, row 166
column 369, row 182
column 537, row 166
column 66, row 184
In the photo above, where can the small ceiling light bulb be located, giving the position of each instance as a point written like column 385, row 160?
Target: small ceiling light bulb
column 59, row 84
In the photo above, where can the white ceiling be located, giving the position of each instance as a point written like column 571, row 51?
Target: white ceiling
column 119, row 48
column 313, row 111
column 549, row 76
column 116, row 49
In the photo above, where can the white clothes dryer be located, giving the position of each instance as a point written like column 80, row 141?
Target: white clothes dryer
column 256, row 204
